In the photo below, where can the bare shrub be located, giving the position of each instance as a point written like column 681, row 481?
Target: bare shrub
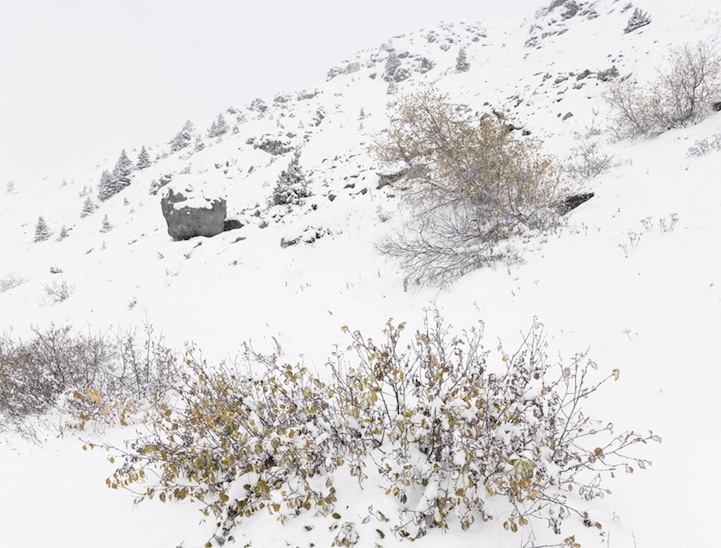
column 10, row 281
column 680, row 96
column 58, row 291
column 588, row 160
column 455, row 436
column 705, row 146
column 469, row 181
column 98, row 378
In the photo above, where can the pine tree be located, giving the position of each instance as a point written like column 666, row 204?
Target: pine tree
column 89, row 207
column 393, row 63
column 64, row 233
column 42, row 232
column 218, row 127
column 123, row 170
column 107, row 227
column 108, row 186
column 462, row 64
column 183, row 138
column 292, row 185
column 143, row 159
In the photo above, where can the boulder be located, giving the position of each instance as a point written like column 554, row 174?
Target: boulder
column 570, row 203
column 193, row 209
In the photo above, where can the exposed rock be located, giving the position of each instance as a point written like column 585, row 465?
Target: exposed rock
column 570, row 8
column 716, row 105
column 572, row 202
column 606, row 75
column 567, row 116
column 192, row 209
column 231, row 224
column 585, row 74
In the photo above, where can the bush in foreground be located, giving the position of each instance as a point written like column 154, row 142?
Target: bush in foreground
column 453, row 435
column 470, row 183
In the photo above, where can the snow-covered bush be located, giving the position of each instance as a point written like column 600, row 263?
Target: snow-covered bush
column 453, row 435
column 240, row 442
column 99, row 378
column 679, row 96
column 291, row 188
column 470, row 182
column 588, row 160
column 450, row 431
column 705, row 146
column 10, row 281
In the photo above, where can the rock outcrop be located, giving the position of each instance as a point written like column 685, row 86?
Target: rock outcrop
column 193, row 209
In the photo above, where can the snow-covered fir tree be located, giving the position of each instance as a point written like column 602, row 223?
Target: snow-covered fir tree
column 107, row 227
column 123, row 170
column 393, row 63
column 64, row 233
column 143, row 159
column 108, row 186
column 218, row 127
column 462, row 64
column 292, row 185
column 184, row 137
column 42, row 232
column 89, row 207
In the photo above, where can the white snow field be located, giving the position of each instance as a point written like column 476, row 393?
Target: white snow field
column 632, row 275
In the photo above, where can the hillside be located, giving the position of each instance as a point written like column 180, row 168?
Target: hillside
column 633, row 275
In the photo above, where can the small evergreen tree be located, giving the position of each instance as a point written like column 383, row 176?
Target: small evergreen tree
column 89, row 207
column 123, row 170
column 292, row 185
column 183, row 138
column 107, row 227
column 143, row 159
column 107, row 186
column 462, row 64
column 638, row 19
column 393, row 63
column 42, row 232
column 64, row 233
column 218, row 127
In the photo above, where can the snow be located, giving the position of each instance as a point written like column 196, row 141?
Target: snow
column 634, row 276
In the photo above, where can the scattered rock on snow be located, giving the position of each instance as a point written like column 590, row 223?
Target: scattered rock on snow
column 572, row 202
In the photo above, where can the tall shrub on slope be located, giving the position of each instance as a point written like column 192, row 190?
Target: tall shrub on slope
column 470, row 183
column 680, row 95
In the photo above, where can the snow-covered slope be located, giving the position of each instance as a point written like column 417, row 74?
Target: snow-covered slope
column 634, row 274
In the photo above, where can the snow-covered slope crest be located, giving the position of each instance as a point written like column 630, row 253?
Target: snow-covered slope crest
column 634, row 274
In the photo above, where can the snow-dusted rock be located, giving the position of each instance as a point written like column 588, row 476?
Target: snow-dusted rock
column 193, row 208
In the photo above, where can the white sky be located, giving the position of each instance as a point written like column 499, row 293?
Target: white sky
column 82, row 79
